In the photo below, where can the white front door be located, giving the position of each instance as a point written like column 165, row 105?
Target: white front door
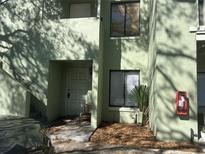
column 77, row 85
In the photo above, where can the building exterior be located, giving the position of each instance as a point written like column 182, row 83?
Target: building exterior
column 68, row 53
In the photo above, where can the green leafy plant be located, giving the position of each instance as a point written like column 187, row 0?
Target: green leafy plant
column 203, row 129
column 140, row 94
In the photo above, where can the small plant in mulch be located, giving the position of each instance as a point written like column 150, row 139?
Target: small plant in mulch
column 203, row 133
column 140, row 94
column 203, row 129
column 128, row 135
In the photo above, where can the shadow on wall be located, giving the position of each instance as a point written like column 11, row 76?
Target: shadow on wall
column 37, row 109
column 18, row 131
column 176, row 59
column 132, row 50
column 120, row 54
column 31, row 34
column 13, row 97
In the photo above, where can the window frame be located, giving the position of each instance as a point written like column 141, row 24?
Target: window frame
column 67, row 4
column 124, row 3
column 201, row 12
column 75, row 3
column 124, row 86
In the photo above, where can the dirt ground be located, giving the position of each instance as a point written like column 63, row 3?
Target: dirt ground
column 136, row 137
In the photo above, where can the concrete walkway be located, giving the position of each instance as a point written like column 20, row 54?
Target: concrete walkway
column 90, row 148
column 69, row 135
column 114, row 149
column 18, row 133
column 72, row 136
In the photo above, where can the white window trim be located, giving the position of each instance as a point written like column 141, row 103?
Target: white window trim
column 123, row 109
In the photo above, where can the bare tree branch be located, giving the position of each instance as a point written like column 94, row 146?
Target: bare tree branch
column 3, row 1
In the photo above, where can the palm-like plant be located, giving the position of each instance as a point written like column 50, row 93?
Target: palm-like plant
column 203, row 129
column 140, row 95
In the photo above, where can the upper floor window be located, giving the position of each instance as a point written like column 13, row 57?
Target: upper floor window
column 125, row 19
column 79, row 8
column 201, row 12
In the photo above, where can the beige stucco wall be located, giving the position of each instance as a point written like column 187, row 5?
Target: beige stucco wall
column 152, row 58
column 32, row 34
column 55, row 96
column 176, row 69
column 165, row 53
column 14, row 98
column 122, row 54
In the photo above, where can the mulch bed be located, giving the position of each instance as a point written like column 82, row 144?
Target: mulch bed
column 135, row 136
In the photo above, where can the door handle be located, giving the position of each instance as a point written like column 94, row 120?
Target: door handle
column 68, row 95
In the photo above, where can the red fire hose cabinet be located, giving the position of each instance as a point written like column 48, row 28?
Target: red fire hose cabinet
column 182, row 103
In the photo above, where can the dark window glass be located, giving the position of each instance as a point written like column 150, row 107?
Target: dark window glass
column 132, row 19
column 118, row 20
column 121, row 84
column 117, row 88
column 125, row 19
column 201, row 12
column 131, row 80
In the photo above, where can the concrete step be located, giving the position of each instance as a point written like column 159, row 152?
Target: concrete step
column 24, row 132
